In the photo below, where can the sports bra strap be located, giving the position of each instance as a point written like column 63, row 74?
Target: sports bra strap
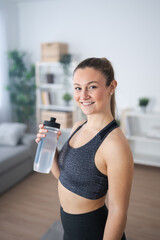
column 77, row 130
column 106, row 130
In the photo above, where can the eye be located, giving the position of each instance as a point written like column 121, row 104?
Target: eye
column 77, row 88
column 92, row 87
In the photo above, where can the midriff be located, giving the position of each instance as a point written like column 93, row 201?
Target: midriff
column 75, row 204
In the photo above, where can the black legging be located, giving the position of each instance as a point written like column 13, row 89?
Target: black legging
column 85, row 226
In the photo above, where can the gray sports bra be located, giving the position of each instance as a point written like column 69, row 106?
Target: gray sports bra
column 78, row 172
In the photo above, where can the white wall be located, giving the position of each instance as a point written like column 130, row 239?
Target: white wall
column 126, row 32
column 8, row 40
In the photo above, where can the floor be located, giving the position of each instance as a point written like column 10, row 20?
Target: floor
column 144, row 211
column 30, row 208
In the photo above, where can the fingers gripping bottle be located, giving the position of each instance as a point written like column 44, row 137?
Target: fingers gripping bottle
column 47, row 147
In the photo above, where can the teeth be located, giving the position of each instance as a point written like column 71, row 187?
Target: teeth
column 87, row 104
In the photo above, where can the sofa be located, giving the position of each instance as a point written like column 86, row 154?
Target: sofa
column 16, row 157
column 17, row 153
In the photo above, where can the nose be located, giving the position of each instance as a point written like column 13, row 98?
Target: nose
column 84, row 94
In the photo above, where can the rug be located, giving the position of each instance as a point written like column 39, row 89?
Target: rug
column 55, row 232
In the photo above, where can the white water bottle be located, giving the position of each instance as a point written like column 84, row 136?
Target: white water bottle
column 47, row 147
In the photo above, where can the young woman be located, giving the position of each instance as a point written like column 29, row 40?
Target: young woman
column 95, row 160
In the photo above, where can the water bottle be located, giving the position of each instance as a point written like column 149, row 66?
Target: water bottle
column 47, row 147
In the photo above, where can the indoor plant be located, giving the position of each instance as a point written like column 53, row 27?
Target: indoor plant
column 67, row 97
column 65, row 61
column 143, row 102
column 21, row 86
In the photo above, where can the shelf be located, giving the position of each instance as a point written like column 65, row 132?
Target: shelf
column 146, row 159
column 143, row 115
column 143, row 139
column 143, row 133
column 56, row 64
column 51, row 86
column 57, row 108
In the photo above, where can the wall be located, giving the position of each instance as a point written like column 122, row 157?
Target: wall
column 8, row 40
column 126, row 32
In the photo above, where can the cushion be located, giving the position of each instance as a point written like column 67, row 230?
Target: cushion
column 11, row 133
column 28, row 139
column 12, row 156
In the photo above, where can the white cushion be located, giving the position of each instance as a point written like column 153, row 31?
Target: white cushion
column 11, row 133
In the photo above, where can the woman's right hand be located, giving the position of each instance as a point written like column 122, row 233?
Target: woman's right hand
column 42, row 133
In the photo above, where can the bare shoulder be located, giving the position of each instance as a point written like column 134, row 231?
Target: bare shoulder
column 116, row 149
column 76, row 125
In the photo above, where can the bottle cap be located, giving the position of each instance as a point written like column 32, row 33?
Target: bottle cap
column 52, row 123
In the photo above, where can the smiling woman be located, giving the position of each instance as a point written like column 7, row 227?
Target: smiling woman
column 100, row 72
column 89, row 87
column 96, row 159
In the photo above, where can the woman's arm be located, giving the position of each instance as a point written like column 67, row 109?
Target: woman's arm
column 120, row 173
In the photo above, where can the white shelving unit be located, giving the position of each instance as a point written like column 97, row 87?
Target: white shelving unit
column 146, row 159
column 143, row 133
column 50, row 95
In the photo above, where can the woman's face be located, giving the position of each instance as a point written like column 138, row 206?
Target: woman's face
column 90, row 91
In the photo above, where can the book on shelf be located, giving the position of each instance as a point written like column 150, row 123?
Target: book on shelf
column 48, row 98
column 53, row 98
column 45, row 98
column 42, row 97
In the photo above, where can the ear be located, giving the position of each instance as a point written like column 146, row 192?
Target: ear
column 113, row 85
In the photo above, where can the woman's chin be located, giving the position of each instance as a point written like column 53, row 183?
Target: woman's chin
column 87, row 112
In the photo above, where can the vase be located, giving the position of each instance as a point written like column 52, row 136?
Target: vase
column 66, row 103
column 143, row 109
column 50, row 78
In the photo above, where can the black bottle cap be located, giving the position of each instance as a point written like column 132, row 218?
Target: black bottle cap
column 52, row 123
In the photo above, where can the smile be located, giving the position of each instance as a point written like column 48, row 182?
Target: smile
column 86, row 104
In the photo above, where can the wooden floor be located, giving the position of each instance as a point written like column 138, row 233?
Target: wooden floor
column 28, row 209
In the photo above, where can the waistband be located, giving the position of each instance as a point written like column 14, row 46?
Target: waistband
column 99, row 210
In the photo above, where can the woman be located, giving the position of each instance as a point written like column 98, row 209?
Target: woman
column 95, row 159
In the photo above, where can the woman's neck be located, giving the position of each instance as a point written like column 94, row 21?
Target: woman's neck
column 98, row 121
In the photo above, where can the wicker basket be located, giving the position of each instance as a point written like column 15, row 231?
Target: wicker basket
column 52, row 52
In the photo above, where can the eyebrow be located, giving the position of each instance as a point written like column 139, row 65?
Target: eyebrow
column 87, row 84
